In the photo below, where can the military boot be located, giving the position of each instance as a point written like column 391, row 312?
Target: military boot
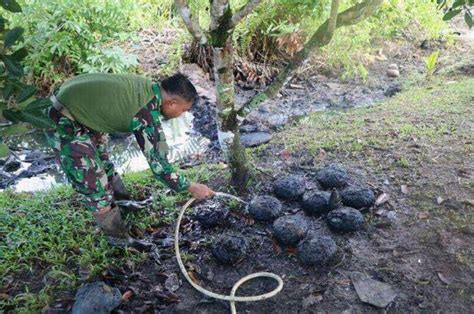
column 112, row 225
column 119, row 189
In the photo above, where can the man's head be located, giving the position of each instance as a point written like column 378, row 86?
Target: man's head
column 177, row 95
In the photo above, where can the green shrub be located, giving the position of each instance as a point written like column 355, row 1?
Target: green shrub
column 65, row 37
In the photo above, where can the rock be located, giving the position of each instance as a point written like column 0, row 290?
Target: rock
column 265, row 208
column 230, row 249
column 11, row 165
column 289, row 230
column 34, row 155
column 393, row 73
column 358, row 197
column 211, row 213
column 392, row 90
column 345, row 219
column 290, row 187
column 255, row 138
column 277, row 121
column 332, row 176
column 392, row 66
column 172, row 283
column 248, row 128
column 316, row 250
column 96, row 298
column 372, row 291
column 316, row 202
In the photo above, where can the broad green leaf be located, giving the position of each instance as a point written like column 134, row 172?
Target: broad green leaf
column 468, row 19
column 25, row 93
column 13, row 67
column 8, row 91
column 451, row 14
column 10, row 5
column 15, row 129
column 4, row 150
column 2, row 24
column 38, row 104
column 12, row 36
column 457, row 4
column 12, row 115
column 37, row 119
column 20, row 54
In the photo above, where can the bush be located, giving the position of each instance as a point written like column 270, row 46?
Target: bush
column 66, row 37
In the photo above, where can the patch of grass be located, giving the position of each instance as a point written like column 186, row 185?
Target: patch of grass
column 424, row 113
column 48, row 241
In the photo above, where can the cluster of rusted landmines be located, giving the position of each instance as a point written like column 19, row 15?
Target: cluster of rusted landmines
column 334, row 200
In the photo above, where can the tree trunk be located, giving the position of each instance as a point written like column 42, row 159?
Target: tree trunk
column 228, row 125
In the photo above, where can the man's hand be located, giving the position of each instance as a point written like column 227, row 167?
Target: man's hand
column 200, row 191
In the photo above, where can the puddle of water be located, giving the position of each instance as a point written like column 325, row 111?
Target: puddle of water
column 125, row 154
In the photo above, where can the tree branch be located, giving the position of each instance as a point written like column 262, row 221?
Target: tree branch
column 244, row 11
column 320, row 38
column 191, row 23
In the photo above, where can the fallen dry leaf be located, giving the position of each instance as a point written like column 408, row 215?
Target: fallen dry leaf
column 404, row 189
column 126, row 296
column 444, row 279
column 322, row 154
column 423, row 215
column 382, row 198
column 276, row 247
column 291, row 250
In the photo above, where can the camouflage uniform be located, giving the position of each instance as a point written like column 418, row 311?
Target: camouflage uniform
column 84, row 158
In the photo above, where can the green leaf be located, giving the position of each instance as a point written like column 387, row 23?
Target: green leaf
column 13, row 67
column 38, row 104
column 14, row 129
column 4, row 150
column 457, row 4
column 26, row 93
column 2, row 24
column 8, row 91
column 37, row 119
column 468, row 19
column 20, row 54
column 10, row 5
column 12, row 36
column 450, row 14
column 12, row 115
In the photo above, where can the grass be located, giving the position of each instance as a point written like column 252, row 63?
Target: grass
column 49, row 244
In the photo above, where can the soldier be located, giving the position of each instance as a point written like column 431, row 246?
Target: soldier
column 87, row 108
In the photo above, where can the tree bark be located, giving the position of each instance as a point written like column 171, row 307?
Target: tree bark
column 228, row 125
column 191, row 23
column 320, row 38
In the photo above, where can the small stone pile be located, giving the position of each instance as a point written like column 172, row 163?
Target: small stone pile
column 337, row 201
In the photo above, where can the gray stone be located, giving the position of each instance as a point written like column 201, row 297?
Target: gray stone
column 316, row 250
column 316, row 202
column 230, row 249
column 255, row 138
column 345, row 219
column 265, row 208
column 372, row 291
column 290, row 187
column 358, row 197
column 332, row 176
column 277, row 121
column 96, row 298
column 393, row 73
column 289, row 230
column 11, row 165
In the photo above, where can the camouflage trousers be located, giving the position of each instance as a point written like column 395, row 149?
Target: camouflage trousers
column 83, row 156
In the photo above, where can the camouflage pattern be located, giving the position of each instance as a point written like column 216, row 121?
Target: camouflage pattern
column 84, row 159
column 146, row 126
column 83, row 155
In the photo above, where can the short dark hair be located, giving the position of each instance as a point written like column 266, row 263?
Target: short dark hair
column 179, row 85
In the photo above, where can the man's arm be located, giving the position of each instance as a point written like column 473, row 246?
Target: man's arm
column 147, row 129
